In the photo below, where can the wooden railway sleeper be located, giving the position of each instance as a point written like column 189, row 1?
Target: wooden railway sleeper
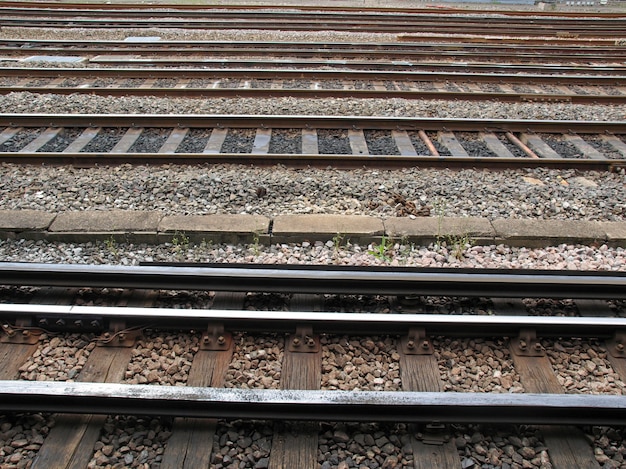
column 303, row 341
column 216, row 338
column 416, row 342
column 617, row 345
column 526, row 344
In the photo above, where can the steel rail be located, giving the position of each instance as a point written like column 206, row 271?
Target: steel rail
column 310, row 25
column 44, row 6
column 397, row 51
column 249, row 11
column 322, row 14
column 402, row 65
column 405, row 44
column 303, row 121
column 322, row 93
column 569, row 57
column 389, row 281
column 313, row 74
column 383, row 406
column 296, row 12
column 342, row 161
column 77, row 318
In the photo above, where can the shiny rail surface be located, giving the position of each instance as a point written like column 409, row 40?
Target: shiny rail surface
column 94, row 318
column 324, row 279
column 377, row 406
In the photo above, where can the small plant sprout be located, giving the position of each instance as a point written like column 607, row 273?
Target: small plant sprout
column 255, row 247
column 180, row 243
column 381, row 251
column 111, row 245
column 338, row 241
column 459, row 244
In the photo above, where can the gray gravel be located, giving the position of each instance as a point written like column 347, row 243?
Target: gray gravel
column 477, row 365
column 490, row 447
column 538, row 193
column 572, row 257
column 363, row 364
column 578, row 364
column 21, row 436
column 85, row 104
column 256, row 363
column 165, row 359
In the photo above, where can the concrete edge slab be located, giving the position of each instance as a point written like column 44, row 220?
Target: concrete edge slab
column 103, row 221
column 542, row 233
column 114, row 237
column 353, row 228
column 615, row 233
column 155, row 228
column 234, row 229
column 426, row 230
column 18, row 221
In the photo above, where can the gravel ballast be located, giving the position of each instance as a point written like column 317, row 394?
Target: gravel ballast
column 230, row 189
column 348, row 362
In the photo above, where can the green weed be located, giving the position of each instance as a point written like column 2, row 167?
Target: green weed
column 382, row 250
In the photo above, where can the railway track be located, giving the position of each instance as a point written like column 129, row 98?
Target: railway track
column 318, row 84
column 305, row 140
column 300, row 366
column 417, row 385
column 155, row 46
column 372, row 21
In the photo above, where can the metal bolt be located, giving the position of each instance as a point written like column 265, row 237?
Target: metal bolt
column 537, row 346
column 107, row 335
column 296, row 342
column 121, row 337
column 95, row 323
column 43, row 322
column 410, row 344
column 620, row 347
column 60, row 322
column 25, row 333
column 221, row 340
column 425, row 344
column 78, row 323
column 310, row 342
column 206, row 339
column 523, row 345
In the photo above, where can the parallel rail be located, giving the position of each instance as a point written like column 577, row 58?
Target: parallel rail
column 178, row 7
column 405, row 406
column 387, row 281
column 268, row 73
column 408, row 405
column 372, row 21
column 347, row 406
column 397, row 51
column 173, row 129
column 311, row 84
column 308, row 122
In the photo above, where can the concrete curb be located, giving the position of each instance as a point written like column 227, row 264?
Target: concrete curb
column 157, row 228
